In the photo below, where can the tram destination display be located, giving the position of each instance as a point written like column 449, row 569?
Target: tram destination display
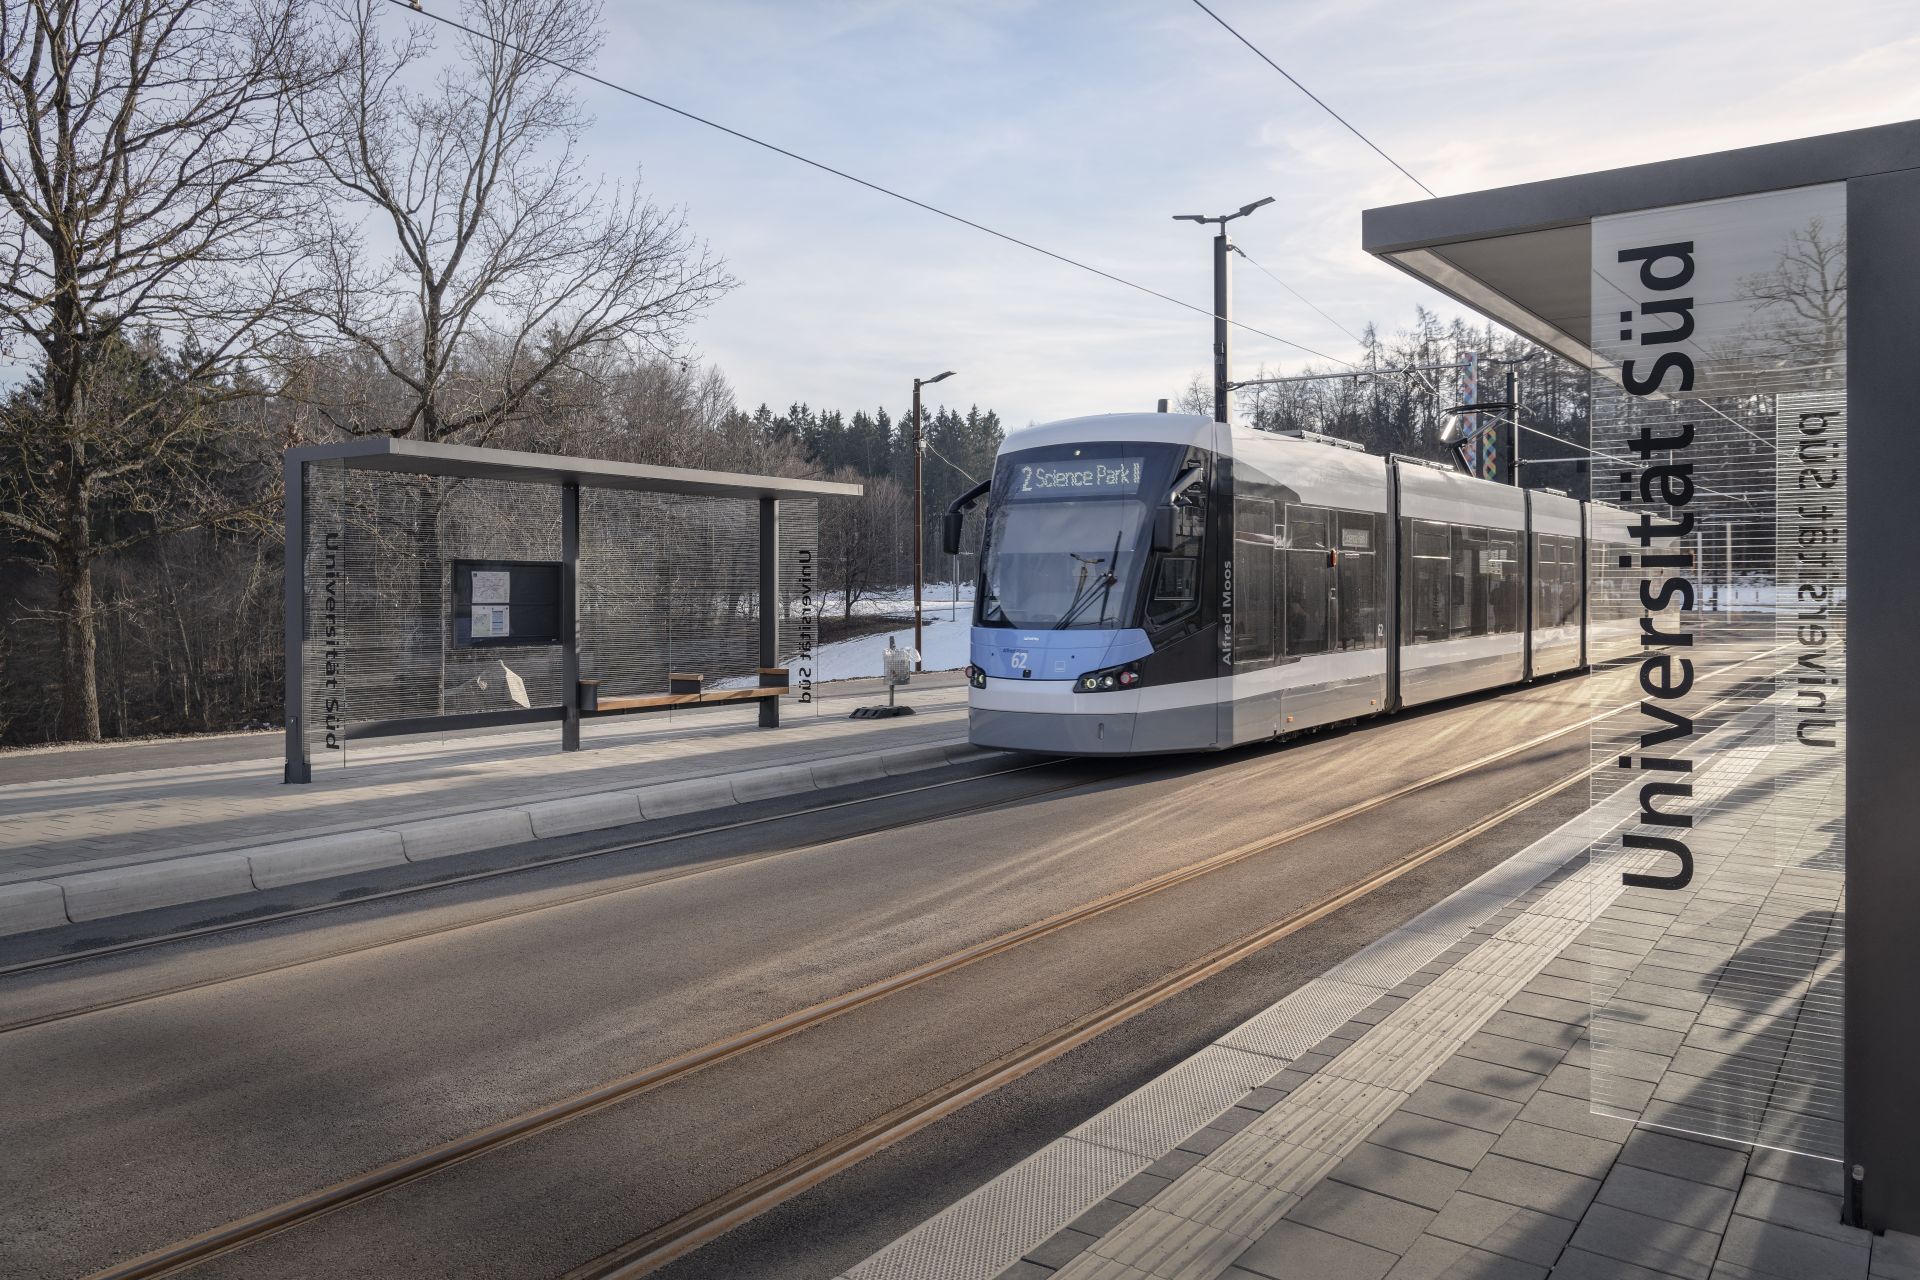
column 506, row 602
column 1077, row 478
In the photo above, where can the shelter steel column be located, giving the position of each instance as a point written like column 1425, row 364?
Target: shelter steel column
column 569, row 613
column 298, row 768
column 1882, row 1124
column 769, row 602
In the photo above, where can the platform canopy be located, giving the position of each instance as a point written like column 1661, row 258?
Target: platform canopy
column 466, row 462
column 1522, row 255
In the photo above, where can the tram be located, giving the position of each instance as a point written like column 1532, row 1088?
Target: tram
column 1160, row 582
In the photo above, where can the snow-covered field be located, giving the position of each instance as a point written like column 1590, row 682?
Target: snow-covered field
column 944, row 630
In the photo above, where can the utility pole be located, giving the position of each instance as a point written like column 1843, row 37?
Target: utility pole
column 1222, row 331
column 1513, row 399
column 1222, row 304
column 919, row 518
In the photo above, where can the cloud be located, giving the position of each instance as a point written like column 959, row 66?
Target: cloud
column 1082, row 129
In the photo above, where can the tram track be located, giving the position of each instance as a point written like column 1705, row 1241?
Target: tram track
column 635, row 883
column 640, row 880
column 697, row 1226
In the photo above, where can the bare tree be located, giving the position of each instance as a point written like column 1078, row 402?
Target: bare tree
column 1197, row 397
column 857, row 543
column 1802, row 314
column 471, row 259
column 148, row 165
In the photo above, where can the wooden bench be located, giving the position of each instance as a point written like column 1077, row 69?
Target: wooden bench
column 684, row 689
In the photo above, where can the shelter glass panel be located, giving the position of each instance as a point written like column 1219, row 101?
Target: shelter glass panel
column 1720, row 383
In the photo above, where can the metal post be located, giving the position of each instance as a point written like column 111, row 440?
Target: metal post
column 1222, row 302
column 769, row 602
column 569, row 611
column 1513, row 408
column 298, row 767
column 919, row 520
column 1882, row 616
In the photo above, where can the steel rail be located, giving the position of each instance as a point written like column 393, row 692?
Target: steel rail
column 494, row 873
column 172, row 1258
column 635, row 881
column 643, row 881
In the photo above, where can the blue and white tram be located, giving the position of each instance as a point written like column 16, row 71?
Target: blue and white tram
column 1159, row 582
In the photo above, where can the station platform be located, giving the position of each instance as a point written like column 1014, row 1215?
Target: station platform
column 88, row 832
column 1545, row 1074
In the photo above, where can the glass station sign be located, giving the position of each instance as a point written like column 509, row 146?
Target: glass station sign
column 1719, row 428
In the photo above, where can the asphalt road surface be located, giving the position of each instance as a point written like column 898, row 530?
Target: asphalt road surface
column 165, row 1092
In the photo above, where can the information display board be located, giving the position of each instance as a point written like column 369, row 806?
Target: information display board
column 506, row 602
column 1074, row 478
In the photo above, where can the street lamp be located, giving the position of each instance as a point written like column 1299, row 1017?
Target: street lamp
column 919, row 519
column 1222, row 248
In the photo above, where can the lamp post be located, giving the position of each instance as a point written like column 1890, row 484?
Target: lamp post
column 919, row 520
column 1222, row 299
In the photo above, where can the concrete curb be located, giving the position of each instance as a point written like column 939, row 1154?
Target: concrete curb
column 31, row 905
column 321, row 856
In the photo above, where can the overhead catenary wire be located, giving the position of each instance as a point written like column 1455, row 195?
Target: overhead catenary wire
column 412, row 6
column 1296, row 293
column 1316, row 98
column 970, row 477
column 1228, row 27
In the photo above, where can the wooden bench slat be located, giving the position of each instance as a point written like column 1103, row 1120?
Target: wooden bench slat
column 642, row 701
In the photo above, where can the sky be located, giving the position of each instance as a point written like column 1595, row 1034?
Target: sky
column 1084, row 126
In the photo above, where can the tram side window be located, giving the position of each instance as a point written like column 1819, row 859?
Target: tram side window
column 1468, row 589
column 1309, row 583
column 1501, row 569
column 1424, row 612
column 1307, row 527
column 1360, row 594
column 1253, row 585
column 1556, row 597
column 1176, row 579
column 1546, row 580
column 1568, row 615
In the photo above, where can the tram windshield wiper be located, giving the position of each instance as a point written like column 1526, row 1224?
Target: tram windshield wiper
column 1102, row 584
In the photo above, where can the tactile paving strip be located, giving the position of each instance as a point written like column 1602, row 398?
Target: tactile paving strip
column 983, row 1234
column 1158, row 1116
column 1302, row 1020
column 1386, row 963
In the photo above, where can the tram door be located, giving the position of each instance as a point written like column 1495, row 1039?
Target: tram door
column 1308, row 606
column 1251, row 709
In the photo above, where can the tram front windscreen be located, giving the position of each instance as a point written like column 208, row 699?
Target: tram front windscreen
column 1068, row 535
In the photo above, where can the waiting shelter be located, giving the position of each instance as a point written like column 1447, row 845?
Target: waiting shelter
column 436, row 587
column 1749, row 325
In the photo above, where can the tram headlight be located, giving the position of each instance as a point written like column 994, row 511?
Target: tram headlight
column 1107, row 680
column 976, row 676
